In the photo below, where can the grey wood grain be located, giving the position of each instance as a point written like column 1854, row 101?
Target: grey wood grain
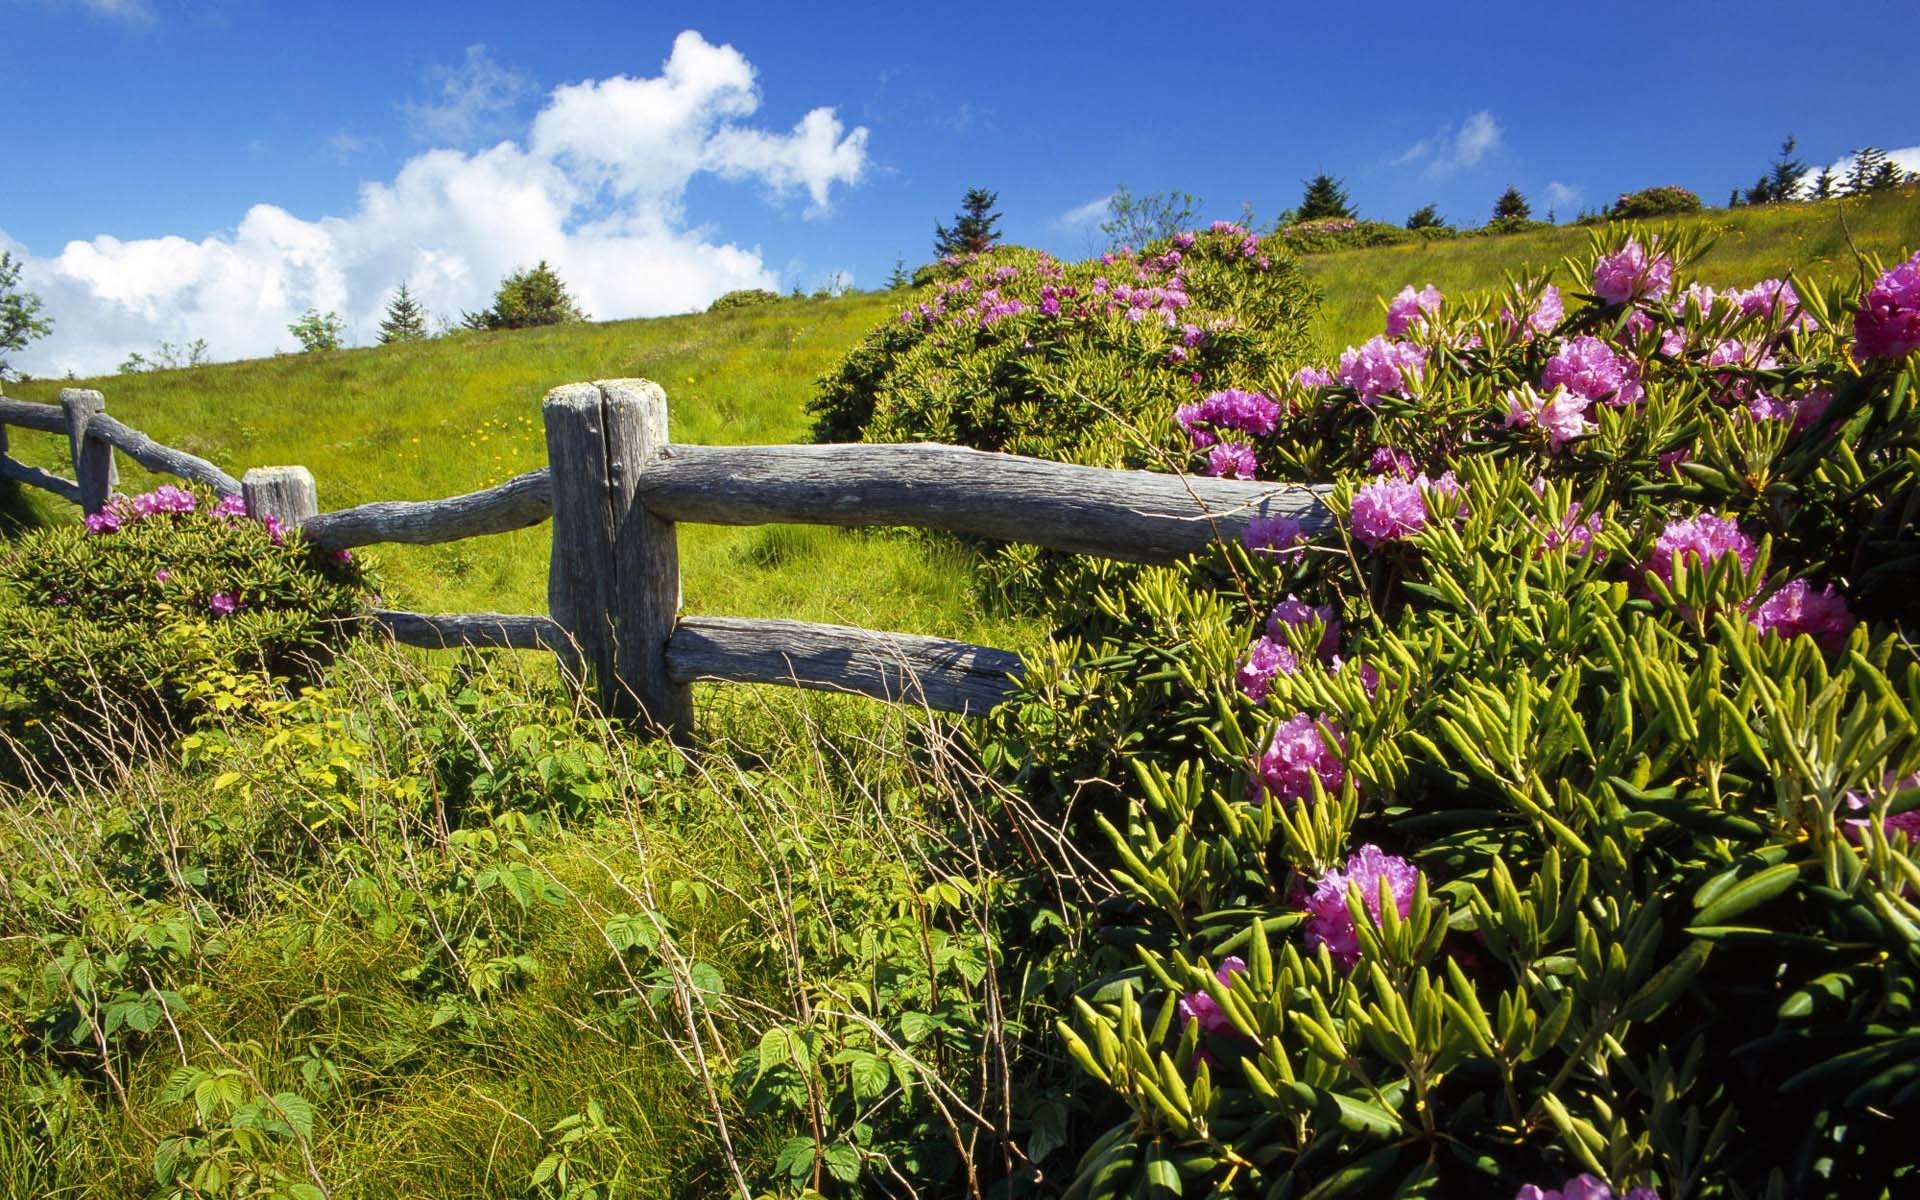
column 20, row 472
column 27, row 415
column 93, row 467
column 1140, row 516
column 944, row 675
column 438, row 631
column 521, row 501
column 164, row 459
column 287, row 494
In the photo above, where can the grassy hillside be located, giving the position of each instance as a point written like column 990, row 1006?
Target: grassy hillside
column 441, row 417
column 1815, row 241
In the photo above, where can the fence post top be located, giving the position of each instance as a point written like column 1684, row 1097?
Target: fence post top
column 644, row 392
column 273, row 474
column 82, row 397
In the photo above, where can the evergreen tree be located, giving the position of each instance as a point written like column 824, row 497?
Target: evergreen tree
column 1324, row 198
column 899, row 278
column 1512, row 206
column 1871, row 171
column 535, row 296
column 1823, row 184
column 406, row 319
column 20, row 319
column 1425, row 217
column 973, row 229
column 1782, row 181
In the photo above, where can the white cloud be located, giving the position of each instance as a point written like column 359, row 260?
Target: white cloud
column 129, row 12
column 1563, row 196
column 1454, row 148
column 1084, row 217
column 1907, row 158
column 472, row 99
column 597, row 189
column 343, row 145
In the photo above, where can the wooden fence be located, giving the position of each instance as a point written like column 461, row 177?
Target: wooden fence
column 615, row 487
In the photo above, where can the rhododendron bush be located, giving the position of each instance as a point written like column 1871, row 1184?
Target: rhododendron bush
column 1543, row 828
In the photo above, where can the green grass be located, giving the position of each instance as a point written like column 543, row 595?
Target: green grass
column 437, row 418
column 1808, row 240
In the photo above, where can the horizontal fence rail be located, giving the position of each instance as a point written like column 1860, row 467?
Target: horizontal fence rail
column 615, row 487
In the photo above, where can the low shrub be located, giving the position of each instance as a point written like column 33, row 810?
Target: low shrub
column 1653, row 202
column 104, row 626
column 1346, row 233
column 742, row 298
column 1552, row 821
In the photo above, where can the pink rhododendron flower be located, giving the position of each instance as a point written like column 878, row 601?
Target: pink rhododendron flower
column 1387, row 509
column 1232, row 460
column 1386, row 460
column 1888, row 323
column 1296, row 755
column 1313, row 377
column 1272, row 535
column 1583, row 1187
column 1775, row 299
column 1587, row 366
column 1296, row 613
column 1701, row 539
column 1410, row 309
column 230, row 507
column 1804, row 410
column 107, row 520
column 1697, row 296
column 1545, row 316
column 1855, row 828
column 1376, row 368
column 223, row 604
column 1198, row 1006
column 1330, row 922
column 1796, row 609
column 1562, row 414
column 1629, row 274
column 1265, row 659
column 1574, row 532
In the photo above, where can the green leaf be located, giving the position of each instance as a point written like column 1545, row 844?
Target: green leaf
column 1748, row 893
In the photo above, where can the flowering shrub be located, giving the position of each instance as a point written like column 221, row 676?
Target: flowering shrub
column 1581, row 861
column 105, row 624
column 1653, row 202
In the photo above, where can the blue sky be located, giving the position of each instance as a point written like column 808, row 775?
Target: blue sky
column 180, row 169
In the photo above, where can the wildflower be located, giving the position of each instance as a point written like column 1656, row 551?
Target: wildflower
column 1385, row 460
column 1381, row 367
column 341, row 557
column 1246, row 412
column 1298, row 753
column 1387, row 509
column 1198, row 1006
column 1574, row 532
column 107, row 520
column 1410, row 309
column 1796, row 609
column 1544, row 317
column 1888, row 323
column 1629, row 274
column 1855, row 828
column 1562, row 414
column 162, row 576
column 1232, row 460
column 1702, row 539
column 1265, row 659
column 1272, row 535
column 1583, row 1187
column 230, row 507
column 1296, row 613
column 1330, row 922
column 1776, row 299
column 1804, row 410
column 1313, row 377
column 223, row 604
column 1587, row 366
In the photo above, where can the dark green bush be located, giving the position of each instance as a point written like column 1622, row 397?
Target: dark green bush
column 743, row 298
column 1653, row 202
column 1346, row 233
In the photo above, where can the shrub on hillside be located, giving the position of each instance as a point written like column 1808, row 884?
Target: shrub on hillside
column 526, row 299
column 1552, row 821
column 104, row 626
column 742, row 298
column 1653, row 202
column 1345, row 233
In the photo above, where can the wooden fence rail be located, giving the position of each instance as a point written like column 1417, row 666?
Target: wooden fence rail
column 615, row 487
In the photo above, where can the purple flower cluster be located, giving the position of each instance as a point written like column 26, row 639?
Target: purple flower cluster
column 1232, row 460
column 1298, row 753
column 1888, row 323
column 1588, row 367
column 1231, row 409
column 1583, row 1187
column 1265, row 659
column 1630, row 273
column 1410, row 309
column 165, row 499
column 1543, row 318
column 1381, row 368
column 1702, row 539
column 1796, row 609
column 1198, row 1006
column 1272, row 535
column 1387, row 509
column 1330, row 922
column 1908, row 823
column 223, row 604
column 1561, row 414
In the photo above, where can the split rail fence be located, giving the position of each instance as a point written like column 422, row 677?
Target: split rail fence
column 615, row 488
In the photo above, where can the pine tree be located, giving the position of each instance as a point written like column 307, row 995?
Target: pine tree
column 1324, row 198
column 899, row 278
column 1425, row 217
column 406, row 319
column 535, row 296
column 1784, row 182
column 1871, row 171
column 973, row 229
column 1823, row 184
column 1512, row 206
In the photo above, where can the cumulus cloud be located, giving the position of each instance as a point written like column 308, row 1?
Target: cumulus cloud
column 1563, row 196
column 1084, row 217
column 597, row 189
column 1454, row 147
column 1907, row 158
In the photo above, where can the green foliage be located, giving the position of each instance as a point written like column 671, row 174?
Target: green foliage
column 1782, row 181
column 318, row 331
column 167, row 357
column 742, row 298
column 1425, row 217
column 1873, row 171
column 1344, row 233
column 104, row 633
column 1651, row 202
column 20, row 319
column 1149, row 217
column 1510, row 207
column 405, row 320
column 526, row 299
column 1324, row 199
column 973, row 227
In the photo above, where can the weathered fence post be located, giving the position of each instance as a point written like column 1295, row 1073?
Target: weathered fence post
column 286, row 494
column 93, row 467
column 614, row 585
